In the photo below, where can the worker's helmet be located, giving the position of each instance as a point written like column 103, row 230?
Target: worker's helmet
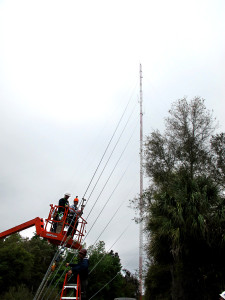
column 222, row 295
column 76, row 199
column 67, row 194
column 83, row 252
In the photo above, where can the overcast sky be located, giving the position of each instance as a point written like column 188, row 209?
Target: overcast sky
column 68, row 70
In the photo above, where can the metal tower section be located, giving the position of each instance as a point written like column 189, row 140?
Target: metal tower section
column 141, row 188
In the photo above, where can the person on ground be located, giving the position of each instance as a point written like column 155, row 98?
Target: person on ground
column 81, row 269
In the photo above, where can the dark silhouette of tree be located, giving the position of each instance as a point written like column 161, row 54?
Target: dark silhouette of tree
column 184, row 205
column 106, row 266
column 24, row 262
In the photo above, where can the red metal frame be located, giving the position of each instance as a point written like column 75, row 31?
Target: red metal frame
column 44, row 229
column 37, row 222
column 77, row 286
column 63, row 293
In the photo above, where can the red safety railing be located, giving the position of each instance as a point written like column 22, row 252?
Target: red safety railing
column 68, row 231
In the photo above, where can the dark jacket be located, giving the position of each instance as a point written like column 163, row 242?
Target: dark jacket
column 62, row 202
column 81, row 268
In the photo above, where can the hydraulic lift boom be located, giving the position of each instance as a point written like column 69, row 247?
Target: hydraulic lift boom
column 45, row 229
column 37, row 222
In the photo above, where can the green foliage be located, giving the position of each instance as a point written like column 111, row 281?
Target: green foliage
column 42, row 253
column 130, row 286
column 105, row 275
column 15, row 263
column 185, row 212
column 218, row 158
column 22, row 292
column 23, row 261
column 103, row 267
column 158, row 273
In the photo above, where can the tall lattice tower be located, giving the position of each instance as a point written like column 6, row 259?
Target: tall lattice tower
column 141, row 189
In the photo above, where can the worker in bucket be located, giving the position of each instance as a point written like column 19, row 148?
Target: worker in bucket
column 72, row 219
column 63, row 204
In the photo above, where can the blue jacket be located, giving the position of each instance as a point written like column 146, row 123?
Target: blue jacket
column 81, row 268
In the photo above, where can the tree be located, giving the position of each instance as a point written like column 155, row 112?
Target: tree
column 130, row 287
column 218, row 158
column 103, row 268
column 21, row 292
column 105, row 277
column 185, row 143
column 185, row 206
column 23, row 264
column 42, row 253
column 15, row 263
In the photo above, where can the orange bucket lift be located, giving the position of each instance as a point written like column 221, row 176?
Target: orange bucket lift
column 45, row 228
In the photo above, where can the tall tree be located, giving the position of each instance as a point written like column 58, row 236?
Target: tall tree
column 23, row 263
column 185, row 214
column 185, row 143
column 105, row 276
column 218, row 158
column 15, row 263
column 103, row 268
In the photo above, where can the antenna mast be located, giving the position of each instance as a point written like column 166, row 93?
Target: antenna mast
column 141, row 188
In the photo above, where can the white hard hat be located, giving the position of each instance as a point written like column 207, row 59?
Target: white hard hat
column 67, row 194
column 222, row 295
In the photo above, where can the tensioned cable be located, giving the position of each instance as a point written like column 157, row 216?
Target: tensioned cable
column 58, row 252
column 106, row 183
column 111, row 154
column 56, row 281
column 98, row 197
column 59, row 265
column 110, row 219
column 83, row 240
column 99, row 260
column 110, row 247
column 111, row 172
column 107, row 201
column 131, row 92
column 105, row 285
column 48, row 273
column 58, row 278
column 93, row 244
column 108, row 177
column 105, row 206
column 109, row 222
column 108, row 146
column 45, row 278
